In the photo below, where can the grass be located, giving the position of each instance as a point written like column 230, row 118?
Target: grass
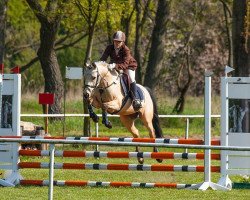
column 172, row 128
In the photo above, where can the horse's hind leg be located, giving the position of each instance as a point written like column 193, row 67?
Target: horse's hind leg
column 129, row 122
column 147, row 121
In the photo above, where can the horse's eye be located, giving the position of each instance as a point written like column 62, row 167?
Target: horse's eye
column 93, row 78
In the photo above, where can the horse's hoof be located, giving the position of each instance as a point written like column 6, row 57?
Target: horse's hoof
column 95, row 118
column 159, row 160
column 107, row 124
column 141, row 160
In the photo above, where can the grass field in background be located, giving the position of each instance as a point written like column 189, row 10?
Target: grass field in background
column 173, row 128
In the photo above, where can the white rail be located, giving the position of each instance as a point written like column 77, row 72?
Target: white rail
column 87, row 115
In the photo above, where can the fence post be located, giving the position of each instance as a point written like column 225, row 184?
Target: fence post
column 51, row 170
column 187, row 131
column 97, row 134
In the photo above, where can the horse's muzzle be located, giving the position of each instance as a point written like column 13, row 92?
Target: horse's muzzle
column 86, row 96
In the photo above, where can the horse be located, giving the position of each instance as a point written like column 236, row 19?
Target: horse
column 103, row 89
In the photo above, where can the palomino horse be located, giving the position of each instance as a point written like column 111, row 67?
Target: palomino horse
column 102, row 89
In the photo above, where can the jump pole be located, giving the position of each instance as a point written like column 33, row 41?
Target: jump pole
column 51, row 170
column 207, row 160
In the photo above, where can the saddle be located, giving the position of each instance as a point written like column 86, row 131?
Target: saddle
column 126, row 91
column 126, row 88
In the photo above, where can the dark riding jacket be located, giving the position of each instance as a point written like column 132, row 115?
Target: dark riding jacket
column 123, row 60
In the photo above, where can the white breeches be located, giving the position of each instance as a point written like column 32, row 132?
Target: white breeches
column 131, row 75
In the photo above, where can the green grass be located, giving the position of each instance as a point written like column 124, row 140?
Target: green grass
column 174, row 128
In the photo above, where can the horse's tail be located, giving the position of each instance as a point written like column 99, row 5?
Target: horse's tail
column 156, row 121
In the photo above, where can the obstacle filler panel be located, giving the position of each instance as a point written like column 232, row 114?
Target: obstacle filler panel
column 234, row 91
column 10, row 125
column 239, row 161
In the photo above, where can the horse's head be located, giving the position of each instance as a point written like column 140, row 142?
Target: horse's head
column 93, row 77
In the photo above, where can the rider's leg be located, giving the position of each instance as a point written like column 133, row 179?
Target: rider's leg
column 92, row 114
column 135, row 101
column 105, row 120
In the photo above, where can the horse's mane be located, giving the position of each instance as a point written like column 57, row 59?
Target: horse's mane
column 101, row 63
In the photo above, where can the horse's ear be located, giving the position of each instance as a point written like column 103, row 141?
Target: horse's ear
column 87, row 64
column 94, row 65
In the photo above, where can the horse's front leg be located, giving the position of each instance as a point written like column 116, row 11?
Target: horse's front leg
column 92, row 114
column 105, row 120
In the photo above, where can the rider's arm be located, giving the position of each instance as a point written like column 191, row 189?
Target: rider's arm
column 106, row 54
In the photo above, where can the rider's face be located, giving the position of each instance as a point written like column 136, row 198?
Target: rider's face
column 118, row 44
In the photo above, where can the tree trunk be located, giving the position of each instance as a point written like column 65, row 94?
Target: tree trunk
column 241, row 42
column 109, row 25
column 50, row 67
column 141, row 16
column 3, row 8
column 50, row 19
column 86, row 128
column 138, row 42
column 156, row 53
column 241, row 48
column 228, row 22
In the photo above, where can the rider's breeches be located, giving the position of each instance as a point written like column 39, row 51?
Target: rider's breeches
column 131, row 75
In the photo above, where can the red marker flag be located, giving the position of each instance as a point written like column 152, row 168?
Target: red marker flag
column 46, row 98
column 1, row 67
column 15, row 70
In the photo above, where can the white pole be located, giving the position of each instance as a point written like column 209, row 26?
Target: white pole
column 51, row 170
column 207, row 156
column 187, row 131
column 224, row 180
column 97, row 134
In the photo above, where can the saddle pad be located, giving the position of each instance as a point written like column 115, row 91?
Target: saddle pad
column 139, row 93
column 125, row 88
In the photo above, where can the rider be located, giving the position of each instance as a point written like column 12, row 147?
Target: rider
column 121, row 59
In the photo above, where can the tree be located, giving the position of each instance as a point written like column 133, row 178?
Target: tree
column 241, row 33
column 241, row 47
column 141, row 15
column 156, row 53
column 50, row 17
column 90, row 15
column 3, row 8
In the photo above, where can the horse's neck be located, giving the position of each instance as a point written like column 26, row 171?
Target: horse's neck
column 113, row 88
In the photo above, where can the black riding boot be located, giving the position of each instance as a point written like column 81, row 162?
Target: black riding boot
column 136, row 103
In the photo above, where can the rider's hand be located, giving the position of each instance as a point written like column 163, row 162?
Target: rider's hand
column 111, row 66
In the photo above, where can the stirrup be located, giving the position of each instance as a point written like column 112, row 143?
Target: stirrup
column 136, row 104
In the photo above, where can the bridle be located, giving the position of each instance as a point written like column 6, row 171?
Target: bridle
column 99, row 78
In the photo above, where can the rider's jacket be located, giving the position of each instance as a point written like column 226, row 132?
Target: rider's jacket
column 123, row 58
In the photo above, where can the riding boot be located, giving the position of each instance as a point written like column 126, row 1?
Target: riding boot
column 136, row 103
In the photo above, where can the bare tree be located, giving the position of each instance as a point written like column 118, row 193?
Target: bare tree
column 156, row 53
column 3, row 8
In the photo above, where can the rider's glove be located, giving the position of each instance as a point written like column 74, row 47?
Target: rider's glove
column 111, row 66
